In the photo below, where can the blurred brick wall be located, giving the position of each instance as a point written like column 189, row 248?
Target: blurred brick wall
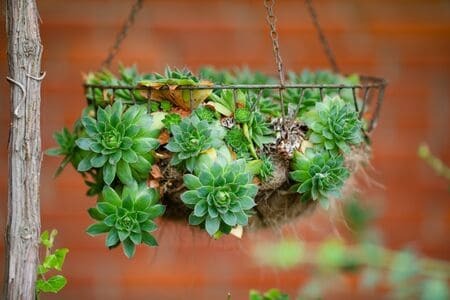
column 407, row 41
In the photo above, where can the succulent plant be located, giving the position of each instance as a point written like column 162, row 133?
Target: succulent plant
column 216, row 76
column 166, row 106
column 221, row 196
column 67, row 148
column 118, row 142
column 258, row 130
column 320, row 174
column 191, row 138
column 154, row 106
column 267, row 168
column 236, row 139
column 177, row 77
column 334, row 125
column 171, row 119
column 128, row 218
column 242, row 115
column 205, row 113
column 227, row 101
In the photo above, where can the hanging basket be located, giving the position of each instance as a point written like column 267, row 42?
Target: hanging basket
column 216, row 152
column 276, row 204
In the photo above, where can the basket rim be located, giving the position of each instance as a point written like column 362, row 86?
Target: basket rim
column 367, row 82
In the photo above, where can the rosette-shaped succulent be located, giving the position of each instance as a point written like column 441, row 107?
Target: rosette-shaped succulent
column 221, row 196
column 171, row 119
column 242, row 115
column 258, row 130
column 267, row 168
column 236, row 139
column 118, row 142
column 319, row 174
column 205, row 113
column 334, row 125
column 191, row 138
column 128, row 218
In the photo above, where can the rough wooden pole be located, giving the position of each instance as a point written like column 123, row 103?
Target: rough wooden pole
column 23, row 227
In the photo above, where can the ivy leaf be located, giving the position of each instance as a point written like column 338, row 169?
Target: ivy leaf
column 52, row 285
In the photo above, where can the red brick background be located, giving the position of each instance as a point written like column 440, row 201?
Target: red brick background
column 408, row 42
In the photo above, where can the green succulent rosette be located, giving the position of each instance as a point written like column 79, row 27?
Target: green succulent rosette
column 320, row 174
column 191, row 138
column 334, row 125
column 127, row 218
column 118, row 142
column 221, row 196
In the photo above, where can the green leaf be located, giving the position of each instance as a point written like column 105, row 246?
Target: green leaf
column 52, row 285
column 106, row 208
column 200, row 208
column 155, row 211
column 128, row 248
column 109, row 173
column 136, row 238
column 85, row 164
column 247, row 203
column 45, row 239
column 97, row 228
column 98, row 161
column 54, row 152
column 194, row 220
column 190, row 197
column 191, row 182
column 124, row 172
column 229, row 218
column 84, row 143
column 212, row 225
column 60, row 255
column 95, row 214
column 111, row 196
column 148, row 239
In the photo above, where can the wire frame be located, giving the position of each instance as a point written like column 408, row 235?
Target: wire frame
column 367, row 96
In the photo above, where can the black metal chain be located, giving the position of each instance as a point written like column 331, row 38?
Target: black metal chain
column 323, row 40
column 122, row 34
column 271, row 19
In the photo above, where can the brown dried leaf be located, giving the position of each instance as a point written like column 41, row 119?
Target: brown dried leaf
column 156, row 172
column 256, row 180
column 164, row 137
column 153, row 184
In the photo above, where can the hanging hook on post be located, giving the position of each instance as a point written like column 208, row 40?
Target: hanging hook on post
column 122, row 34
column 323, row 40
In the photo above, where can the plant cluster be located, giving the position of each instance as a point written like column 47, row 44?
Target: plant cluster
column 222, row 143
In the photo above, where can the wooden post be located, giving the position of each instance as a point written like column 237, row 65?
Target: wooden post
column 23, row 227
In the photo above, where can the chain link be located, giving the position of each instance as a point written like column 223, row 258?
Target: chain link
column 271, row 19
column 323, row 40
column 122, row 34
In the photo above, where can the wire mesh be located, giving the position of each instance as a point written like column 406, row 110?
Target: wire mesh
column 367, row 96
